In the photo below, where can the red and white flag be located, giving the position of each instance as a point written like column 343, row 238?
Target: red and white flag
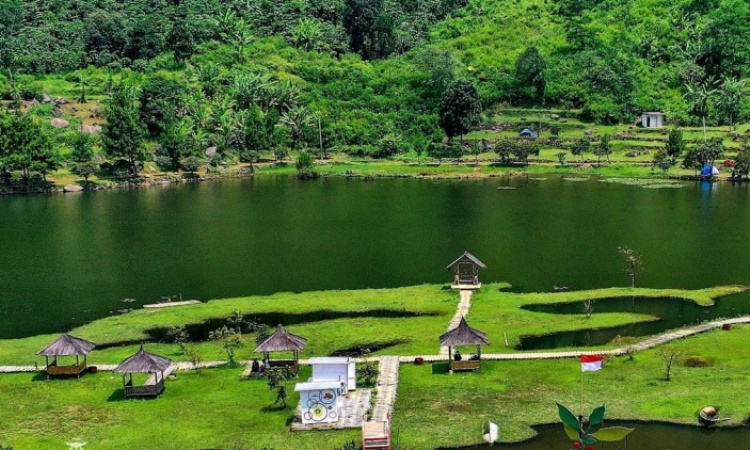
column 591, row 363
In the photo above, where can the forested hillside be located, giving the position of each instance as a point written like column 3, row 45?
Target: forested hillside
column 252, row 75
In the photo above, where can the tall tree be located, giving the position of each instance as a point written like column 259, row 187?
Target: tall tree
column 25, row 146
column 675, row 145
column 360, row 18
column 580, row 147
column 82, row 156
column 175, row 141
column 530, row 67
column 161, row 100
column 296, row 119
column 181, row 39
column 603, row 149
column 123, row 134
column 460, row 109
column 730, row 97
column 699, row 97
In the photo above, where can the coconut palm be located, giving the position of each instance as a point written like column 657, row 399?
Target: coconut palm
column 296, row 119
column 699, row 97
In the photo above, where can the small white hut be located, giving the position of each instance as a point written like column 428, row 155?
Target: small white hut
column 652, row 120
column 323, row 393
column 335, row 368
column 320, row 401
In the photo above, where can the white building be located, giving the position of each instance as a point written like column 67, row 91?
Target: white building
column 322, row 394
column 652, row 120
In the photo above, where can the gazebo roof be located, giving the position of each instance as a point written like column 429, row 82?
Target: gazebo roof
column 281, row 341
column 67, row 345
column 144, row 362
column 463, row 334
column 469, row 256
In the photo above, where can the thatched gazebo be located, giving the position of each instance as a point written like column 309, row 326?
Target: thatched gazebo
column 66, row 345
column 144, row 362
column 466, row 271
column 281, row 341
column 463, row 334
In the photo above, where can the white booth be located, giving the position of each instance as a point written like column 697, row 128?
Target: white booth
column 341, row 369
column 320, row 401
column 323, row 393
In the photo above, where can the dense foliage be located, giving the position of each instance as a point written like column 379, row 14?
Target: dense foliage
column 365, row 77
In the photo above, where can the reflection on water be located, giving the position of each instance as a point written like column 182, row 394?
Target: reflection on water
column 69, row 259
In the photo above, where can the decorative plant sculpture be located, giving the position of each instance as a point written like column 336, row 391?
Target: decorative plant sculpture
column 585, row 434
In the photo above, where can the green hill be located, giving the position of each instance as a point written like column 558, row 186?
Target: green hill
column 251, row 75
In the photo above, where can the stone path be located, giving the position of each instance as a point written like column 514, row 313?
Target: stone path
column 643, row 345
column 464, row 305
column 387, row 387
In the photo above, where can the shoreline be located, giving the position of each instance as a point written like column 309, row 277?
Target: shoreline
column 370, row 170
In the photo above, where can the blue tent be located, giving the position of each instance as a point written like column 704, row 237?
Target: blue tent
column 527, row 133
column 709, row 171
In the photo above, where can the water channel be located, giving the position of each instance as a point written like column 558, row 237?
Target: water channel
column 68, row 259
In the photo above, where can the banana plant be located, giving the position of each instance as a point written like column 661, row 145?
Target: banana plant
column 583, row 435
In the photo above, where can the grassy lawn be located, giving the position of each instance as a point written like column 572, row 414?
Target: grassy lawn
column 216, row 409
column 211, row 409
column 410, row 319
column 436, row 409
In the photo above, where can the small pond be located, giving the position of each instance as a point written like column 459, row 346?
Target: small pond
column 673, row 313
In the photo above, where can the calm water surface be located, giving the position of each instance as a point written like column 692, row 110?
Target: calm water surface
column 647, row 436
column 69, row 259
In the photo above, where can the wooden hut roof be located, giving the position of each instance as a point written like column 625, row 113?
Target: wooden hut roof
column 144, row 362
column 463, row 334
column 281, row 341
column 67, row 345
column 469, row 256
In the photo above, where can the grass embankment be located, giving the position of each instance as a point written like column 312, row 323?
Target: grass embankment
column 435, row 409
column 410, row 319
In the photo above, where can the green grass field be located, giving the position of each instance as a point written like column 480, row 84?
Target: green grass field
column 416, row 317
column 436, row 409
column 216, row 409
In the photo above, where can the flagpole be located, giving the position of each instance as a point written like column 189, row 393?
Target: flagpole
column 581, row 391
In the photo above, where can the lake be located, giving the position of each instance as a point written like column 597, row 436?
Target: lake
column 69, row 259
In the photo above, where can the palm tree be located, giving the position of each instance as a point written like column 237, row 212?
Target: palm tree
column 15, row 90
column 730, row 97
column 307, row 33
column 82, row 80
column 296, row 119
column 699, row 96
column 209, row 76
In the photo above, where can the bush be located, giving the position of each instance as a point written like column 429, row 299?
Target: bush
column 697, row 361
column 306, row 166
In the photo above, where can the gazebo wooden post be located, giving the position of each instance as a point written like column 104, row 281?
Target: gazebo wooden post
column 479, row 352
column 46, row 358
column 267, row 359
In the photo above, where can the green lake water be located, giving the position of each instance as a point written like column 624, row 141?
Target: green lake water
column 646, row 436
column 68, row 259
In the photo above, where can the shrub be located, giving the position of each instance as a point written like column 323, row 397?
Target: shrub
column 697, row 361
